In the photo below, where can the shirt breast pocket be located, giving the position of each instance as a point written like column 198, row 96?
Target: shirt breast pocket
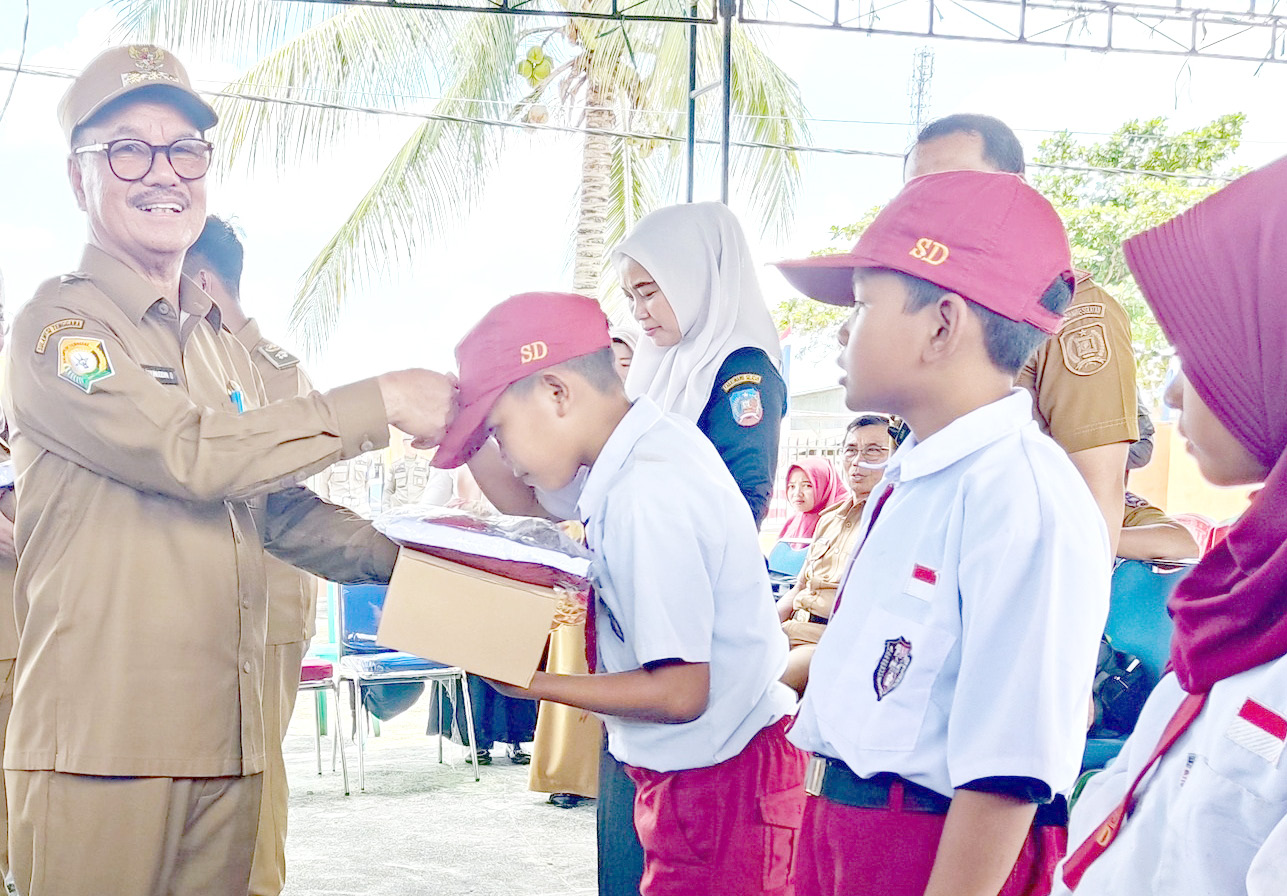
column 906, row 657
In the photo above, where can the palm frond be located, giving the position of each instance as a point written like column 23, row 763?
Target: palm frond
column 361, row 57
column 236, row 30
column 434, row 177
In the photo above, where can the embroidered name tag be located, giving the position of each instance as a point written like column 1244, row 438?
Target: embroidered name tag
column 67, row 323
column 1259, row 729
column 742, row 378
column 166, row 376
column 922, row 582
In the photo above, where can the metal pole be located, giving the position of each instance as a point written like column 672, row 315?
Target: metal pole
column 727, row 9
column 692, row 104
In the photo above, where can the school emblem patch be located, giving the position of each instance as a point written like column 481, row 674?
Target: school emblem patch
column 83, row 362
column 748, row 408
column 892, row 667
column 1086, row 349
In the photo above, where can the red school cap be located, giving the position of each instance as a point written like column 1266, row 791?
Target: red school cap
column 985, row 235
column 523, row 335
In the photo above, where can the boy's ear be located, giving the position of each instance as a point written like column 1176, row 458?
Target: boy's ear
column 946, row 327
column 555, row 388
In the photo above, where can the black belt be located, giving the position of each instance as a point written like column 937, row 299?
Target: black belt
column 832, row 779
column 813, row 617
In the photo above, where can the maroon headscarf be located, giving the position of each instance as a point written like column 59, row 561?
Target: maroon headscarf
column 827, row 490
column 1216, row 276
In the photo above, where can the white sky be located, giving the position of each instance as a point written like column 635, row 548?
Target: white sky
column 517, row 238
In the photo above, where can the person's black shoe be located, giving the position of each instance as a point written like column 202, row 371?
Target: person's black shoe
column 518, row 755
column 484, row 756
column 567, row 800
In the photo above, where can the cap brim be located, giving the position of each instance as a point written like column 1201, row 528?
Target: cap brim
column 826, row 278
column 201, row 113
column 467, row 432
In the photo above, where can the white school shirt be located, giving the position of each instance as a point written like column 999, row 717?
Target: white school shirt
column 965, row 642
column 678, row 574
column 1209, row 817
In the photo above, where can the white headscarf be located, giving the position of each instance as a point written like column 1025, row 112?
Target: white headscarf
column 700, row 260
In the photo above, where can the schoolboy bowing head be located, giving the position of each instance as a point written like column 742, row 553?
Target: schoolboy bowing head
column 954, row 284
column 537, row 373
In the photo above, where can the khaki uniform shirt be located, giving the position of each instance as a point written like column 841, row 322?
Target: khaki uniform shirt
column 143, row 490
column 1082, row 379
column 8, row 569
column 292, row 593
column 833, row 544
column 1139, row 512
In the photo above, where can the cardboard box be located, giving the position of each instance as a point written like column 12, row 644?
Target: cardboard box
column 453, row 614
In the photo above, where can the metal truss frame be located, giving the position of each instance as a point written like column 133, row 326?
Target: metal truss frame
column 1239, row 31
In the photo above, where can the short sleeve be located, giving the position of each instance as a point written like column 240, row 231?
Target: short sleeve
column 743, row 419
column 1083, row 378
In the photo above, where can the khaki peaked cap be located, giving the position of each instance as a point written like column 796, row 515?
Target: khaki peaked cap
column 120, row 71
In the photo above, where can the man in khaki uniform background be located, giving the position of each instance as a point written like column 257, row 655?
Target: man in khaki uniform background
column 152, row 472
column 1083, row 378
column 8, row 626
column 215, row 264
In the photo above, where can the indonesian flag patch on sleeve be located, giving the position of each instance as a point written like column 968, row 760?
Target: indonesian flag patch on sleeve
column 921, row 583
column 1259, row 729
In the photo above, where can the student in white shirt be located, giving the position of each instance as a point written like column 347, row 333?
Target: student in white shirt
column 689, row 651
column 947, row 699
column 1204, row 775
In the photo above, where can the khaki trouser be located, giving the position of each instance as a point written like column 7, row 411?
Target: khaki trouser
column 565, row 752
column 281, row 685
column 82, row 835
column 6, row 704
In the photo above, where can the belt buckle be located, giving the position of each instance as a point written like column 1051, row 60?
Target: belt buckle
column 814, row 775
column 801, row 615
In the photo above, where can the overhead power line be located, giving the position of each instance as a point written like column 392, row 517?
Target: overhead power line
column 606, row 132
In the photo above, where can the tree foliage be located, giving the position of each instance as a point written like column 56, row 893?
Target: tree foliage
column 1105, row 192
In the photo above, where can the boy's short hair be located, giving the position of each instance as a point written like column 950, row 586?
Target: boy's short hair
column 218, row 248
column 598, row 368
column 1010, row 343
column 1000, row 146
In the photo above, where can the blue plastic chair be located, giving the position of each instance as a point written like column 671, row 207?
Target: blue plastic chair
column 364, row 663
column 1137, row 624
column 785, row 562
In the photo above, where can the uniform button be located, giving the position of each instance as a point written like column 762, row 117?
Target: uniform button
column 164, row 310
column 367, row 445
column 245, row 604
column 245, row 667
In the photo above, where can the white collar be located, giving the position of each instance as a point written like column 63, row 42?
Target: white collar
column 962, row 437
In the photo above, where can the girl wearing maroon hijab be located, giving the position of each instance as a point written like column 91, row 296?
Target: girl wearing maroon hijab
column 813, row 485
column 1196, row 801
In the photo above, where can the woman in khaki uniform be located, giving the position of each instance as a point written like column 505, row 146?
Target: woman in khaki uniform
column 806, row 608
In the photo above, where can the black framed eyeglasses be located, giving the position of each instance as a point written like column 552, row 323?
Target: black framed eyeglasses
column 132, row 159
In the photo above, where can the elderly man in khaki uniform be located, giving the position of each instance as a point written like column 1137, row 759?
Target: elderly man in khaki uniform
column 8, row 626
column 1083, row 379
column 215, row 264
column 152, row 472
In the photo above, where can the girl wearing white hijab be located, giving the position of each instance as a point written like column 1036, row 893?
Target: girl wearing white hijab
column 711, row 350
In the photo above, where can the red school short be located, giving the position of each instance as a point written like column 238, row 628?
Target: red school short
column 727, row 830
column 846, row 851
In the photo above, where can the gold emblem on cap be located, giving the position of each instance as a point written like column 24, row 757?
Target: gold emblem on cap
column 533, row 351
column 148, row 60
column 930, row 251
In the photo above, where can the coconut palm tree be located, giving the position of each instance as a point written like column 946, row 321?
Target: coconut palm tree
column 472, row 80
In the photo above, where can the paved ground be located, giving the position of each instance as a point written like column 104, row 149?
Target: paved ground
column 426, row 828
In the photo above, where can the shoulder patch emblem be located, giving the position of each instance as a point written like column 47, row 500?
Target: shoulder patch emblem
column 740, row 380
column 1085, row 349
column 83, row 362
column 277, row 356
column 748, row 408
column 67, row 323
column 893, row 666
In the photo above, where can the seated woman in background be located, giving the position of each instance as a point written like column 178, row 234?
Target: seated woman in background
column 1149, row 534
column 812, row 486
column 805, row 609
